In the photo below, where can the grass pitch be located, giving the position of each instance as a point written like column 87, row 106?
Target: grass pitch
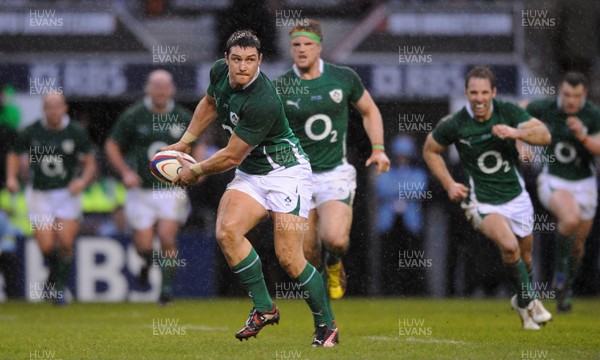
column 369, row 329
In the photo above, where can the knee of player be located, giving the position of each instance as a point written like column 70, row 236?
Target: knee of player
column 312, row 255
column 338, row 243
column 227, row 231
column 510, row 251
column 570, row 222
column 286, row 261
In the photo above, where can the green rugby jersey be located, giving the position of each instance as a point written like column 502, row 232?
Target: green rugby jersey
column 141, row 133
column 571, row 160
column 317, row 110
column 490, row 163
column 54, row 155
column 255, row 114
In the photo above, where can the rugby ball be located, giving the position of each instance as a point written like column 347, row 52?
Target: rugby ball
column 165, row 167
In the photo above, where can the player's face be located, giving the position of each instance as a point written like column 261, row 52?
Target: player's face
column 161, row 89
column 243, row 64
column 571, row 97
column 480, row 94
column 54, row 109
column 305, row 52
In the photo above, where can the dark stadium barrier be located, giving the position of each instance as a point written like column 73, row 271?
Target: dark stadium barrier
column 104, row 270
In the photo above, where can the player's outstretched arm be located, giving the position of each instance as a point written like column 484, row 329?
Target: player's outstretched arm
column 533, row 132
column 227, row 158
column 204, row 115
column 373, row 125
column 432, row 151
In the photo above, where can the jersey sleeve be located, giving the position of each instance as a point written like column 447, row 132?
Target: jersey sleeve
column 594, row 124
column 22, row 142
column 215, row 70
column 515, row 114
column 257, row 120
column 357, row 88
column 83, row 142
column 534, row 108
column 445, row 131
column 122, row 132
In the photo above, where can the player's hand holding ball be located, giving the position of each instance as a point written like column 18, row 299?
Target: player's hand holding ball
column 186, row 176
column 179, row 146
column 173, row 167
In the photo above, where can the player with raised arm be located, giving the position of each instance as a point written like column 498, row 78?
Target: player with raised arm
column 273, row 177
column 57, row 147
column 140, row 132
column 567, row 185
column 317, row 97
column 495, row 200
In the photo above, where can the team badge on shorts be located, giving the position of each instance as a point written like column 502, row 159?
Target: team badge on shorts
column 336, row 95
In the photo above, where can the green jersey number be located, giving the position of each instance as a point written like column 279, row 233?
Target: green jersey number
column 328, row 128
column 498, row 164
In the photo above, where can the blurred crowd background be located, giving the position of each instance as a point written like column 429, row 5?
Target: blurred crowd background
column 101, row 53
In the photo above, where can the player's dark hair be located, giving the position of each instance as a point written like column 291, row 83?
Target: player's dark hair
column 574, row 79
column 481, row 72
column 309, row 25
column 243, row 39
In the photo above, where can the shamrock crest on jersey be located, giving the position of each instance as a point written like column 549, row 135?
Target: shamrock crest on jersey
column 336, row 95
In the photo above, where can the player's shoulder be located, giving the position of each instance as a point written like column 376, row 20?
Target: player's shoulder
column 502, row 104
column 76, row 127
column 286, row 75
column 542, row 105
column 339, row 71
column 183, row 111
column 33, row 127
column 592, row 108
column 134, row 110
column 453, row 121
column 219, row 67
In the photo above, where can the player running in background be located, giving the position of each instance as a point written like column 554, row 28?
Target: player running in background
column 56, row 147
column 273, row 177
column 141, row 131
column 567, row 185
column 317, row 97
column 495, row 200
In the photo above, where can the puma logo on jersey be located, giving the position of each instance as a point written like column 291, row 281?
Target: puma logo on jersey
column 296, row 103
column 463, row 141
